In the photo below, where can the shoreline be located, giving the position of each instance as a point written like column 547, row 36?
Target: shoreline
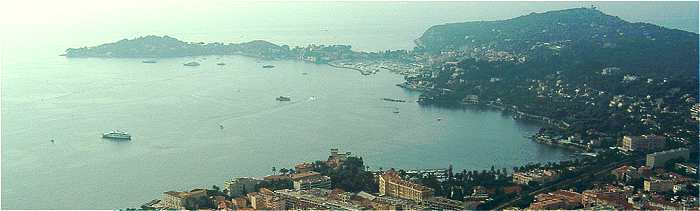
column 517, row 114
column 351, row 68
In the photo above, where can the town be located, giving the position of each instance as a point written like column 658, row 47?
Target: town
column 633, row 116
column 642, row 172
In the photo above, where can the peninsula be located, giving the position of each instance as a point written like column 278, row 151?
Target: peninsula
column 340, row 56
column 626, row 93
column 590, row 76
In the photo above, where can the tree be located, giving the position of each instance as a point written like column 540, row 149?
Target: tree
column 670, row 164
column 275, row 185
column 284, row 171
column 533, row 184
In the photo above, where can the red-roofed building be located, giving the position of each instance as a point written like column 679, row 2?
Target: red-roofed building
column 241, row 202
column 625, row 173
column 605, row 200
column 561, row 199
column 516, row 189
column 303, row 167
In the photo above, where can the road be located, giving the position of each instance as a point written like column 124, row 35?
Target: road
column 601, row 171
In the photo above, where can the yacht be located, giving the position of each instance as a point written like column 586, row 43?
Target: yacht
column 115, row 134
column 191, row 64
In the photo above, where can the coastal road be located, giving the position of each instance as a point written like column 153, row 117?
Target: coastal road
column 601, row 171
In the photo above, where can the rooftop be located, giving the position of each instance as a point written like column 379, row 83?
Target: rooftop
column 303, row 175
column 394, row 177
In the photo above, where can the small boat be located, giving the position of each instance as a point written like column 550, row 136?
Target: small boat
column 439, row 119
column 115, row 134
column 268, row 66
column 393, row 100
column 52, row 141
column 304, row 73
column 221, row 126
column 396, row 112
column 220, row 63
column 283, row 98
column 191, row 64
column 148, row 61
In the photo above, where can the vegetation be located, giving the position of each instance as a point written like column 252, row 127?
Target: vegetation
column 602, row 76
column 165, row 46
column 351, row 176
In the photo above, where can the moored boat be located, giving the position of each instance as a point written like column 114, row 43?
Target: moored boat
column 393, row 100
column 121, row 135
column 191, row 64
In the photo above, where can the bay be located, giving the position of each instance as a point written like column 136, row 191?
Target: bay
column 174, row 112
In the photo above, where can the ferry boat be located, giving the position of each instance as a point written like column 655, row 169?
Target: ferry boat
column 117, row 135
column 283, row 98
column 191, row 64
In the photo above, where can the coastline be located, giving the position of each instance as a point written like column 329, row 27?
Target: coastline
column 351, row 68
column 541, row 119
column 517, row 114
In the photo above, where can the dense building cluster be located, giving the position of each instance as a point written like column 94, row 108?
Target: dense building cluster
column 635, row 175
column 634, row 115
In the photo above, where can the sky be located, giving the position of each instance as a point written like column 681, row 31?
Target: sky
column 66, row 12
column 86, row 22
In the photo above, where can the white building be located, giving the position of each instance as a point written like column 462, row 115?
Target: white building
column 658, row 159
column 241, row 186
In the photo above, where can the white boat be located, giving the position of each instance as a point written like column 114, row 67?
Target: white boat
column 115, row 134
column 191, row 64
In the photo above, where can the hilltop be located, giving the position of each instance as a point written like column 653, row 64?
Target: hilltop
column 583, row 35
column 589, row 73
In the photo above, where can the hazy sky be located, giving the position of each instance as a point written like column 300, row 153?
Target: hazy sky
column 365, row 25
column 67, row 12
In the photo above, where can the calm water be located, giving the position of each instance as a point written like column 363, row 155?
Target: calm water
column 174, row 111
